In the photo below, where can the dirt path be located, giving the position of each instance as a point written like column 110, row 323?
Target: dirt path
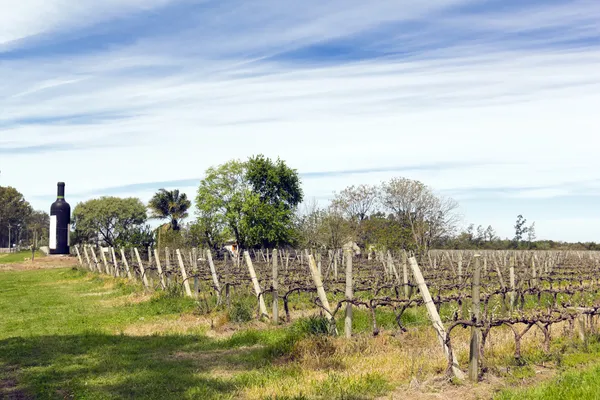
column 40, row 263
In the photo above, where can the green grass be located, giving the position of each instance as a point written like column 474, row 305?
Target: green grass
column 580, row 385
column 10, row 258
column 61, row 336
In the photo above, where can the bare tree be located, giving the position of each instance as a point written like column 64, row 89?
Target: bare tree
column 429, row 217
column 356, row 202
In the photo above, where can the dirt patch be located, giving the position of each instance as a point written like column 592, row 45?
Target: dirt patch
column 40, row 263
column 9, row 385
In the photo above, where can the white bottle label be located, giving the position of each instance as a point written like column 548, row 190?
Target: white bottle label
column 52, row 237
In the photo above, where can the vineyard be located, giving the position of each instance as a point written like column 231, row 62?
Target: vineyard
column 554, row 293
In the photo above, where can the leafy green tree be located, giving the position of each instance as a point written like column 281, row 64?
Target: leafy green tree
column 108, row 219
column 14, row 214
column 270, row 207
column 221, row 197
column 254, row 201
column 171, row 205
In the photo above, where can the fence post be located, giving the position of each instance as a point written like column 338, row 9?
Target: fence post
column 349, row 296
column 160, row 271
column 139, row 260
column 104, row 261
column 215, row 278
column 76, row 250
column 186, row 283
column 115, row 262
column 257, row 289
column 320, row 291
column 126, row 264
column 95, row 259
column 405, row 274
column 275, row 287
column 512, row 283
column 433, row 314
column 475, row 330
column 195, row 270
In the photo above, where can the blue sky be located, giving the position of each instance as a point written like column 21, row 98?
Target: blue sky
column 494, row 103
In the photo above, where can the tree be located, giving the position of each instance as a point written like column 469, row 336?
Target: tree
column 531, row 234
column 490, row 234
column 520, row 229
column 14, row 214
column 221, row 197
column 356, row 202
column 170, row 205
column 108, row 219
column 429, row 217
column 254, row 200
column 270, row 208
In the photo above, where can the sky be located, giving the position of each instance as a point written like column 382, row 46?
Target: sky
column 494, row 103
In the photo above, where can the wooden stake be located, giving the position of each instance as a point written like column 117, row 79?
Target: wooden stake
column 141, row 265
column 115, row 262
column 275, row 288
column 215, row 278
column 320, row 291
column 186, row 283
column 257, row 289
column 475, row 331
column 349, row 295
column 433, row 314
column 126, row 264
column 160, row 271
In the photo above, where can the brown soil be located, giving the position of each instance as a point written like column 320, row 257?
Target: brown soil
column 40, row 263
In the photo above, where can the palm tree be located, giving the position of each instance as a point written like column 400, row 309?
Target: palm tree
column 170, row 205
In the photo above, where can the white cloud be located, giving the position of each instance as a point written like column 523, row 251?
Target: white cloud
column 522, row 122
column 23, row 19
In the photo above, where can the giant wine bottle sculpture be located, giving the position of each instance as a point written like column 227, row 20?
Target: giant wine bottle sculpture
column 60, row 219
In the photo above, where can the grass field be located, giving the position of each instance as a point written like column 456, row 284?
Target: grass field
column 65, row 333
column 8, row 258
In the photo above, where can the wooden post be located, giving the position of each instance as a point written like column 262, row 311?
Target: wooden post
column 115, row 262
column 104, row 261
column 433, row 314
column 87, row 258
column 405, row 274
column 126, row 264
column 533, row 273
column 512, row 283
column 475, row 331
column 335, row 265
column 319, row 264
column 257, row 290
column 320, row 290
column 393, row 267
column 215, row 278
column 186, row 283
column 160, row 271
column 76, row 250
column 195, row 271
column 141, row 265
column 275, row 288
column 349, row 296
column 95, row 259
column 460, row 265
column 167, row 265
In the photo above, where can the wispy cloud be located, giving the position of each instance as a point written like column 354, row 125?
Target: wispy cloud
column 463, row 95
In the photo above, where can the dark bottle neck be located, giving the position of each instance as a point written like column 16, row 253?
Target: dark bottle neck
column 61, row 191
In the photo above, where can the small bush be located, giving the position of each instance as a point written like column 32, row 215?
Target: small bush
column 313, row 325
column 241, row 311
